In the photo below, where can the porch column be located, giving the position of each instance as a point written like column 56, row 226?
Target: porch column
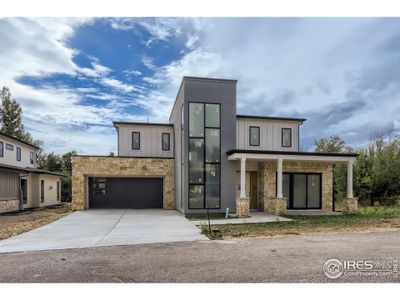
column 350, row 179
column 243, row 176
column 279, row 193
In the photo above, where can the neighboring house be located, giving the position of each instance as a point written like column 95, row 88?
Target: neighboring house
column 22, row 185
column 208, row 156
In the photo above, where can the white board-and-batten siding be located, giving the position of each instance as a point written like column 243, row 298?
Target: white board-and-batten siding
column 150, row 140
column 270, row 134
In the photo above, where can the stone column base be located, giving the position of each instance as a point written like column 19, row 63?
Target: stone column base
column 275, row 206
column 350, row 206
column 243, row 207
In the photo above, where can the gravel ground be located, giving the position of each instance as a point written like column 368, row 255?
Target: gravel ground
column 275, row 259
column 20, row 222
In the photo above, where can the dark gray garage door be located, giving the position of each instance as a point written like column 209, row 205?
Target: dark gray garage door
column 114, row 192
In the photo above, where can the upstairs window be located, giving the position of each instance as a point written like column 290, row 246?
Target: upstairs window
column 10, row 147
column 18, row 154
column 212, row 115
column 287, row 137
column 166, row 142
column 196, row 120
column 254, row 136
column 135, row 140
column 1, row 149
column 31, row 158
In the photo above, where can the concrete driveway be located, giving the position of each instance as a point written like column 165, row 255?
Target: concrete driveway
column 106, row 227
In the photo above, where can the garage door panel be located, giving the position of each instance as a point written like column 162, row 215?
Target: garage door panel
column 126, row 193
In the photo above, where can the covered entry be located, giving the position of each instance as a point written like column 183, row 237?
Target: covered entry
column 123, row 192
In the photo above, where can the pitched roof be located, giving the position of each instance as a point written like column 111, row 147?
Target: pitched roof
column 29, row 170
column 18, row 140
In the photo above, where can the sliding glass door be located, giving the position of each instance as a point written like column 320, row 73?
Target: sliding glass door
column 303, row 190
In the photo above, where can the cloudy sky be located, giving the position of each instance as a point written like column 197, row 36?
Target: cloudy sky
column 73, row 77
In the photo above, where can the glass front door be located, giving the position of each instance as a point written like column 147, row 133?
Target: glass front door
column 302, row 190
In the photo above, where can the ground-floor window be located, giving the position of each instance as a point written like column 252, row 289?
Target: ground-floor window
column 24, row 191
column 42, row 191
column 58, row 191
column 303, row 190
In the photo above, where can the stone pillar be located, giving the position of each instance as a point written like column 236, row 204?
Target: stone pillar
column 243, row 176
column 350, row 179
column 243, row 207
column 275, row 206
column 350, row 206
column 279, row 193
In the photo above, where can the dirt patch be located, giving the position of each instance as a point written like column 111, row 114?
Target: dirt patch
column 17, row 223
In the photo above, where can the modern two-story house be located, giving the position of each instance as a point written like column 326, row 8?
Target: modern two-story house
column 22, row 184
column 207, row 156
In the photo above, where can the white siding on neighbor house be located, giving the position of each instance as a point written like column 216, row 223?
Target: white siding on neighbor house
column 150, row 140
column 50, row 189
column 10, row 156
column 9, row 185
column 270, row 134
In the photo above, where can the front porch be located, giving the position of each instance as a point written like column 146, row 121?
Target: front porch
column 288, row 182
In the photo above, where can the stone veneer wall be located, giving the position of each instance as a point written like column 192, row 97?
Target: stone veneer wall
column 243, row 207
column 267, row 179
column 9, row 205
column 87, row 166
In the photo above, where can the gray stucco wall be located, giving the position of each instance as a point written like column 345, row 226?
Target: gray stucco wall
column 213, row 91
column 175, row 119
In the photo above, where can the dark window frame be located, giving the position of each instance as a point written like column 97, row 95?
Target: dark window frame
column 41, row 191
column 1, row 149
column 9, row 146
column 290, row 200
column 19, row 153
column 290, row 137
column 31, row 158
column 58, row 191
column 133, row 133
column 259, row 136
column 169, row 141
column 204, row 183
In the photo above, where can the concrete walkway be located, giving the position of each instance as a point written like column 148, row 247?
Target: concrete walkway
column 93, row 228
column 255, row 218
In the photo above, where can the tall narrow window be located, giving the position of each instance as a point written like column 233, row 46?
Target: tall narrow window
column 135, row 140
column 42, row 191
column 254, row 136
column 286, row 137
column 196, row 160
column 196, row 120
column 31, row 158
column 212, row 115
column 18, row 154
column 166, row 142
column 58, row 191
column 1, row 149
column 204, row 155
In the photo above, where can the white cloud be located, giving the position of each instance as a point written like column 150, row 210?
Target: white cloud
column 55, row 115
column 118, row 85
column 132, row 72
column 295, row 67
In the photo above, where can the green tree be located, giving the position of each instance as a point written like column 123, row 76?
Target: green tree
column 53, row 163
column 334, row 144
column 66, row 158
column 11, row 116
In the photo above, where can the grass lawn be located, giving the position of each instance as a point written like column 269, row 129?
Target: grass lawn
column 368, row 218
column 20, row 222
